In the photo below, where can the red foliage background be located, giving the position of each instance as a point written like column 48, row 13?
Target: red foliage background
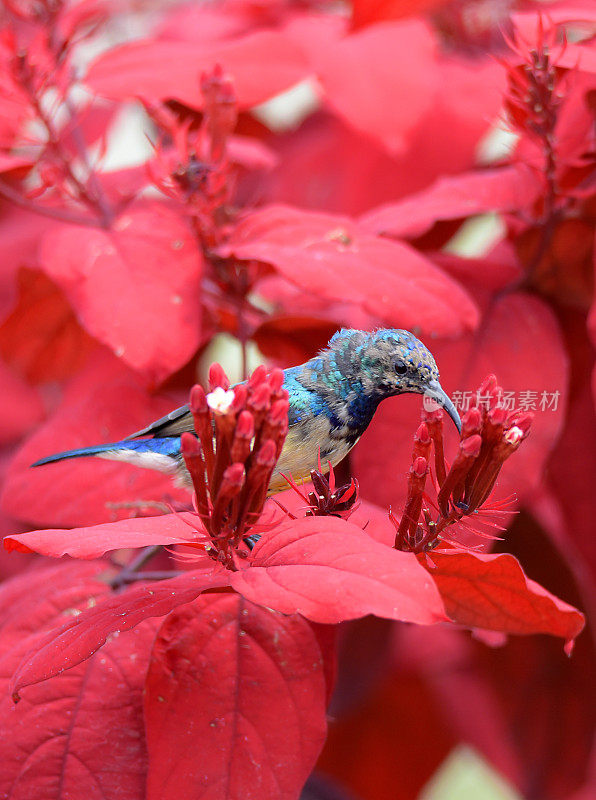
column 296, row 166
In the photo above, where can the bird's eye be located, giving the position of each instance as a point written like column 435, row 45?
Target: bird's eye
column 400, row 367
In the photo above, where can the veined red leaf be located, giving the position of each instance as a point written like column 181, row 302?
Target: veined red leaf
column 105, row 402
column 330, row 253
column 42, row 598
column 135, row 287
column 491, row 591
column 72, row 643
column 94, row 541
column 261, row 64
column 54, row 742
column 234, row 703
column 329, row 571
column 513, row 188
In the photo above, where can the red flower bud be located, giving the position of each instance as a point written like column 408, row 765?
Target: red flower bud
column 276, row 379
column 217, row 377
column 240, row 395
column 488, row 385
column 198, row 400
column 260, row 399
column 233, row 479
column 245, row 426
column 471, row 422
column 267, row 454
column 257, row 377
column 498, row 415
column 470, row 446
column 278, row 412
column 419, row 467
column 189, row 445
column 422, row 435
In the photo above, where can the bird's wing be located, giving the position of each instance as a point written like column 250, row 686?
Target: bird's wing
column 173, row 424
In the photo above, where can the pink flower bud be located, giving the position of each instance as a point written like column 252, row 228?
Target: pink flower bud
column 217, row 377
column 276, row 379
column 470, row 446
column 523, row 420
column 245, row 427
column 240, row 395
column 261, row 397
column 419, row 467
column 498, row 415
column 198, row 400
column 488, row 385
column 189, row 445
column 422, row 434
column 233, row 479
column 267, row 454
column 278, row 412
column 471, row 422
column 257, row 377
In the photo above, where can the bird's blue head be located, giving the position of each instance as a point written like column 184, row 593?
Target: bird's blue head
column 390, row 361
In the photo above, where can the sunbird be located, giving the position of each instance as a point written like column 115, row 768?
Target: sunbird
column 333, row 397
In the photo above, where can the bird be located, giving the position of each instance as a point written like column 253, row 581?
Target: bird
column 332, row 399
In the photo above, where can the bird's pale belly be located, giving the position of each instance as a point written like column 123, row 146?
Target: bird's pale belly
column 301, row 452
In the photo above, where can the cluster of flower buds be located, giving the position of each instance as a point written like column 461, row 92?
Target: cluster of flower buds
column 191, row 163
column 489, row 436
column 240, row 433
column 326, row 499
column 535, row 92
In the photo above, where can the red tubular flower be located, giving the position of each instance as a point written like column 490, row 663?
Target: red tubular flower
column 191, row 165
column 239, row 435
column 326, row 499
column 490, row 434
column 534, row 91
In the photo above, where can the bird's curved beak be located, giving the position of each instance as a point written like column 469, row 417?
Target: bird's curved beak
column 435, row 391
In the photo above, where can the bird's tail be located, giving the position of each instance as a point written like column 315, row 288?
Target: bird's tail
column 158, row 453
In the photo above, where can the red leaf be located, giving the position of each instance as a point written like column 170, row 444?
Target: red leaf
column 76, row 640
column 20, row 232
column 20, row 406
column 514, row 188
column 326, row 164
column 331, row 255
column 134, row 287
column 42, row 598
column 96, row 540
column 329, row 571
column 41, row 337
column 261, row 64
column 106, row 402
column 54, row 742
column 491, row 591
column 367, row 12
column 234, row 703
column 382, row 750
column 359, row 73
